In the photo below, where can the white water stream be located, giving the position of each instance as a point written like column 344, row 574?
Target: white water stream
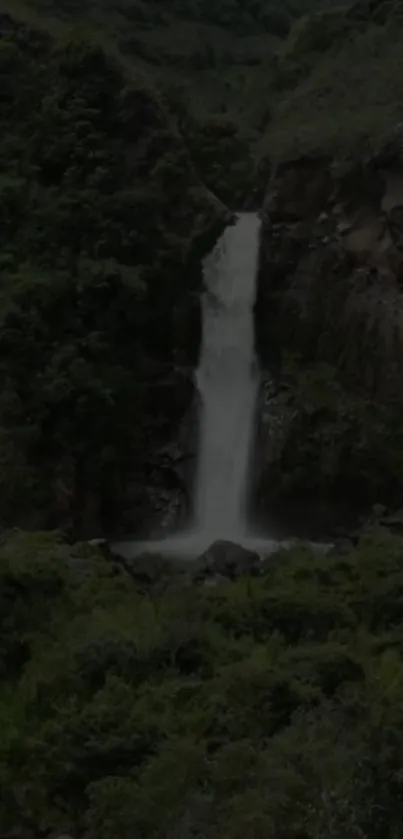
column 227, row 381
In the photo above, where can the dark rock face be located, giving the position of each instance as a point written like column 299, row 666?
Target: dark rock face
column 330, row 298
column 331, row 275
column 341, row 547
column 276, row 415
column 187, row 328
column 227, row 559
column 158, row 495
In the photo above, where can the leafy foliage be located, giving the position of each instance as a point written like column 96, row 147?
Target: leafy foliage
column 176, row 711
column 93, row 261
column 339, row 443
column 341, row 69
column 266, row 707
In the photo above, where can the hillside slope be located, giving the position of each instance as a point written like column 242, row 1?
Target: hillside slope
column 336, row 84
column 102, row 218
column 109, row 161
column 148, row 699
column 208, row 51
column 330, row 304
column 134, row 702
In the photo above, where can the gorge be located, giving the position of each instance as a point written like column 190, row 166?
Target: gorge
column 176, row 376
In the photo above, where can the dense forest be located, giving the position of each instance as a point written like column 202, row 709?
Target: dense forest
column 141, row 698
column 144, row 704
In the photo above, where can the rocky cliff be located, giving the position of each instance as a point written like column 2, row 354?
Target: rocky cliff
column 330, row 313
column 332, row 266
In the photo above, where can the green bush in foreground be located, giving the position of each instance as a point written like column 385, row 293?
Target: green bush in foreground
column 265, row 707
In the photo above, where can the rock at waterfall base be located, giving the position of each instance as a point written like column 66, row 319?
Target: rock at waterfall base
column 224, row 559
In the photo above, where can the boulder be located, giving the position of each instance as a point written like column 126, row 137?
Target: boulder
column 330, row 278
column 216, row 580
column 341, row 547
column 60, row 836
column 227, row 559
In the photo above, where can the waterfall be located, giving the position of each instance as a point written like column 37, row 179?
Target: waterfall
column 227, row 382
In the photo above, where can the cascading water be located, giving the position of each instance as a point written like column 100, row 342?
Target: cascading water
column 227, row 382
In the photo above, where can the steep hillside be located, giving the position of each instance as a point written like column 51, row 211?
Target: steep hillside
column 120, row 122
column 157, row 700
column 134, row 702
column 208, row 51
column 336, row 84
column 103, row 220
column 330, row 303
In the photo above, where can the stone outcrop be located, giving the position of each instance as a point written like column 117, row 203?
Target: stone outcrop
column 225, row 559
column 331, row 279
column 330, row 302
column 158, row 496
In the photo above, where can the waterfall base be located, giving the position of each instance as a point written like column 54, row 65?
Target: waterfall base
column 228, row 383
column 189, row 545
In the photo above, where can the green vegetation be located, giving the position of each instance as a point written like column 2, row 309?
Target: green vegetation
column 101, row 211
column 119, row 126
column 269, row 706
column 264, row 708
column 340, row 444
column 334, row 92
column 336, row 86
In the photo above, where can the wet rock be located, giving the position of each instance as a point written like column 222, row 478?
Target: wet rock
column 157, row 496
column 393, row 522
column 341, row 547
column 330, row 301
column 187, row 328
column 331, row 266
column 60, row 836
column 101, row 544
column 216, row 580
column 276, row 414
column 228, row 560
